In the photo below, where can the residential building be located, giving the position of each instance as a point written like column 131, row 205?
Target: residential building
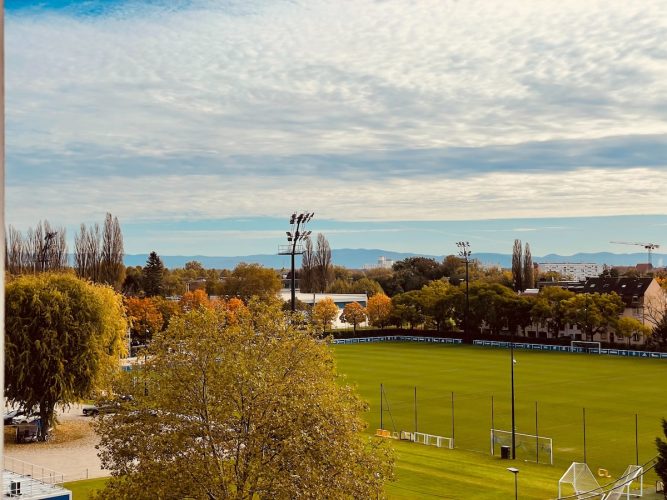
column 577, row 271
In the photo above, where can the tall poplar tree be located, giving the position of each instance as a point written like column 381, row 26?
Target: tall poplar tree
column 517, row 271
column 323, row 267
column 528, row 275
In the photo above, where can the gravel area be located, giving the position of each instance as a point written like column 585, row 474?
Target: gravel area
column 70, row 452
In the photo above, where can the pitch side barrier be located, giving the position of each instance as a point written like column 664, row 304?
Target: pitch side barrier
column 397, row 338
column 566, row 348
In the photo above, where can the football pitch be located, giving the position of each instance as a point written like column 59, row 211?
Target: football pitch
column 602, row 408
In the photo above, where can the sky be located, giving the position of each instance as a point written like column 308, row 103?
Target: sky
column 403, row 125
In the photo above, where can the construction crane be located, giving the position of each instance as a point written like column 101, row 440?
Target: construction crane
column 648, row 246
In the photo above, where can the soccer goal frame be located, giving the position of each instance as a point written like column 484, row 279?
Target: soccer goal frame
column 428, row 439
column 587, row 346
column 541, row 445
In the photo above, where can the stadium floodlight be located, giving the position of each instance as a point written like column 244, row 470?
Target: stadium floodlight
column 297, row 234
column 464, row 253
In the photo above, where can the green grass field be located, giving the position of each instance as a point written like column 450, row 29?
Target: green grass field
column 612, row 391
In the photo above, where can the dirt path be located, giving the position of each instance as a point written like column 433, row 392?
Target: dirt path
column 71, row 452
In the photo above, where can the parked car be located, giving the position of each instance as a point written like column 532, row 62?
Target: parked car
column 102, row 407
column 9, row 416
column 18, row 416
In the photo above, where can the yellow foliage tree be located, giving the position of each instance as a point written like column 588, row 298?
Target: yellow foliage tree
column 63, row 338
column 379, row 310
column 324, row 313
column 244, row 410
column 353, row 313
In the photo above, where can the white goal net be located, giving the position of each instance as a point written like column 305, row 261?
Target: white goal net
column 585, row 346
column 529, row 447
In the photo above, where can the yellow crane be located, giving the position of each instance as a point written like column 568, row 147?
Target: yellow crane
column 648, row 246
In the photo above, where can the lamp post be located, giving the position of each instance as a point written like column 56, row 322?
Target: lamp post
column 515, row 471
column 294, row 247
column 464, row 253
column 512, row 363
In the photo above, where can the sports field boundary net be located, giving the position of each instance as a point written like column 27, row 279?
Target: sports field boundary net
column 498, row 343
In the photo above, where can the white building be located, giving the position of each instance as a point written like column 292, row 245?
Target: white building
column 340, row 299
column 383, row 263
column 578, row 271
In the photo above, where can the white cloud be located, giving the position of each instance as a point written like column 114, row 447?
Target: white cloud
column 337, row 76
column 152, row 114
column 209, row 197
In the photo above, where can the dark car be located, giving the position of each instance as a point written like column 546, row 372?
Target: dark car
column 102, row 407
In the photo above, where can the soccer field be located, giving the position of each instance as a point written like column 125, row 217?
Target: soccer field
column 621, row 400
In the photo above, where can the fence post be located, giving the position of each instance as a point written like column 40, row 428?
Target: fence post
column 381, row 407
column 636, row 439
column 416, row 427
column 537, row 438
column 584, row 422
column 493, row 445
column 453, row 428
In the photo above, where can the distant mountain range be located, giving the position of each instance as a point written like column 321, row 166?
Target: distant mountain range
column 358, row 258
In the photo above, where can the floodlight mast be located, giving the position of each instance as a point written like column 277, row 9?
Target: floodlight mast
column 294, row 237
column 464, row 253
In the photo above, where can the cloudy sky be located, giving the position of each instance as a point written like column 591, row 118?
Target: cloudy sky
column 404, row 125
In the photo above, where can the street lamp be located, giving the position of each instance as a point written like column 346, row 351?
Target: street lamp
column 294, row 246
column 512, row 363
column 464, row 253
column 515, row 471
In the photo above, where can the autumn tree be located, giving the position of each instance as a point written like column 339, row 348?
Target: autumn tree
column 252, row 280
column 378, row 310
column 63, row 338
column 354, row 314
column 145, row 318
column 593, row 312
column 407, row 308
column 627, row 327
column 439, row 300
column 324, row 313
column 548, row 310
column 517, row 266
column 247, row 410
column 153, row 276
column 194, row 300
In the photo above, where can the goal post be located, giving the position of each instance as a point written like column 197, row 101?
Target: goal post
column 586, row 346
column 530, row 447
column 430, row 439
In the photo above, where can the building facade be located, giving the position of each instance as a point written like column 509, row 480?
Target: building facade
column 577, row 271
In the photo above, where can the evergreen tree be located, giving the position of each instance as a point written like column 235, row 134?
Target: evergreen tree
column 517, row 271
column 153, row 274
